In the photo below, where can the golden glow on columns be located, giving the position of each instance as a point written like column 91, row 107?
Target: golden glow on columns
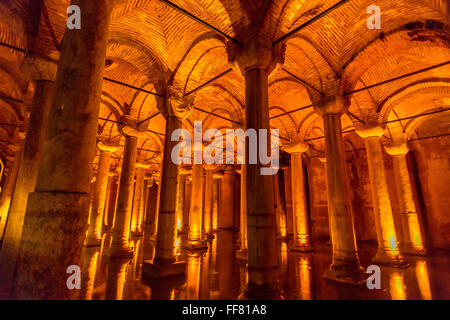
column 193, row 277
column 397, row 286
column 304, row 278
column 423, row 280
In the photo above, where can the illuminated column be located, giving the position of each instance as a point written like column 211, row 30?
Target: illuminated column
column 88, row 272
column 116, row 278
column 411, row 225
column 345, row 265
column 181, row 201
column 225, row 218
column 280, row 209
column 243, row 216
column 216, row 192
column 114, row 193
column 138, row 210
column 209, row 200
column 255, row 60
column 44, row 74
column 196, row 210
column 60, row 203
column 388, row 252
column 166, row 236
column 94, row 235
column 302, row 238
column 13, row 162
column 120, row 245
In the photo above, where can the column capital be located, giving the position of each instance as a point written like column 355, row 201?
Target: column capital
column 185, row 170
column 376, row 131
column 218, row 175
column 256, row 52
column 211, row 167
column 322, row 159
column 398, row 145
column 39, row 68
column 295, row 147
column 143, row 165
column 173, row 103
column 331, row 104
column 107, row 146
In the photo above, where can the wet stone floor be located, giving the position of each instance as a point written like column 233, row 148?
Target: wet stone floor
column 217, row 274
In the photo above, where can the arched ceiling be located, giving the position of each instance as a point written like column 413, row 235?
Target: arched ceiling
column 151, row 42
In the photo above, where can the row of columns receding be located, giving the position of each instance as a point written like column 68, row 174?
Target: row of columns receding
column 50, row 207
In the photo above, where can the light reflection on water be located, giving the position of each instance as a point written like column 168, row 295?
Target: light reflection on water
column 217, row 274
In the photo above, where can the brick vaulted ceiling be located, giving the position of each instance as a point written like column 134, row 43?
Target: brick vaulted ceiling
column 150, row 42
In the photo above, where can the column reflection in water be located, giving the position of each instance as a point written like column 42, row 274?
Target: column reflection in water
column 193, row 276
column 115, row 279
column 205, row 275
column 225, row 263
column 423, row 280
column 397, row 287
column 88, row 271
column 304, row 277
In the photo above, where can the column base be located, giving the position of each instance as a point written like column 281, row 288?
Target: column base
column 394, row 262
column 261, row 292
column 154, row 271
column 93, row 243
column 242, row 255
column 352, row 275
column 124, row 253
column 209, row 236
column 414, row 252
column 303, row 249
column 137, row 234
column 53, row 234
column 195, row 245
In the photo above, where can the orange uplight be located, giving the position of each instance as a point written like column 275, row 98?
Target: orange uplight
column 423, row 280
column 305, row 278
column 397, row 286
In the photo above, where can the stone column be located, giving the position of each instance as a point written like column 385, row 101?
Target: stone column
column 388, row 252
column 413, row 236
column 165, row 243
column 216, row 196
column 114, row 192
column 209, row 200
column 60, row 202
column 255, row 60
column 195, row 240
column 225, row 218
column 345, row 265
column 120, row 245
column 94, row 235
column 44, row 74
column 182, row 218
column 165, row 263
column 243, row 221
column 302, row 238
column 13, row 162
column 138, row 210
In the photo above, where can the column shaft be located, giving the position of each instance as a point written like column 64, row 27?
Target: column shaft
column 388, row 250
column 60, row 203
column 208, row 210
column 120, row 246
column 410, row 219
column 94, row 234
column 8, row 190
column 166, row 237
column 137, row 214
column 243, row 221
column 302, row 239
column 261, row 224
column 196, row 209
column 345, row 266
